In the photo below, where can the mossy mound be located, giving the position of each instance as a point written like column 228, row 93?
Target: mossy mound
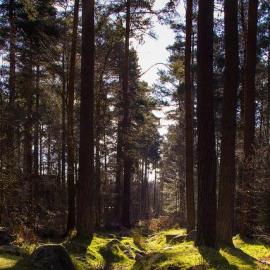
column 109, row 251
column 141, row 252
column 164, row 256
column 52, row 257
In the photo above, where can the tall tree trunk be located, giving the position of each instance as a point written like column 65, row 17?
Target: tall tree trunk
column 127, row 159
column 227, row 162
column 2, row 189
column 155, row 192
column 268, row 91
column 70, row 122
column 249, row 123
column 243, row 23
column 63, row 124
column 119, row 162
column 242, row 94
column 145, row 189
column 189, row 122
column 141, row 189
column 98, row 163
column 161, row 196
column 206, row 221
column 12, row 81
column 98, row 169
column 86, row 183
column 27, row 143
column 100, row 100
column 49, row 162
column 28, row 127
column 40, row 151
column 36, row 126
column 106, row 182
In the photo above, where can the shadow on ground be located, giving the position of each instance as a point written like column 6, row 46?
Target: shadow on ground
column 23, row 264
column 218, row 261
column 168, row 257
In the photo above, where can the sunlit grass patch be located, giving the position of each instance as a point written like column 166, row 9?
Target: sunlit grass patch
column 158, row 240
column 253, row 248
column 87, row 256
column 162, row 255
column 106, row 251
column 8, row 261
column 141, row 252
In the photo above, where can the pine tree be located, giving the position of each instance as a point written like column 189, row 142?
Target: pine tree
column 189, row 122
column 86, row 182
column 70, row 122
column 227, row 163
column 247, row 210
column 206, row 213
column 127, row 159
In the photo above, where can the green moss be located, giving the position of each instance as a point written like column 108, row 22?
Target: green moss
column 116, row 253
column 183, row 255
column 246, row 255
column 87, row 256
column 254, row 249
column 8, row 261
column 104, row 251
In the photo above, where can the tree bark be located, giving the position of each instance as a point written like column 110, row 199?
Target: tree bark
column 86, row 183
column 98, row 167
column 119, row 170
column 119, row 157
column 49, row 143
column 127, row 159
column 142, row 188
column 145, row 190
column 100, row 115
column 242, row 94
column 63, row 124
column 189, row 122
column 249, row 122
column 70, row 122
column 227, row 163
column 40, row 151
column 268, row 92
column 155, row 196
column 206, row 214
column 28, row 139
column 28, row 126
column 12, row 81
column 36, row 131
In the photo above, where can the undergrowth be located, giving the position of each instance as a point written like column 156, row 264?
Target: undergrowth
column 137, row 251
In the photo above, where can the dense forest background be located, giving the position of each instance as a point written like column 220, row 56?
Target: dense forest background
column 80, row 138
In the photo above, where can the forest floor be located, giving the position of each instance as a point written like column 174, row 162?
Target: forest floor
column 138, row 250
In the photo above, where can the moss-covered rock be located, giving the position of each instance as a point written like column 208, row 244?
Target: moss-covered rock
column 138, row 252
column 52, row 257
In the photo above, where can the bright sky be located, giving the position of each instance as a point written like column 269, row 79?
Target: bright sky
column 154, row 51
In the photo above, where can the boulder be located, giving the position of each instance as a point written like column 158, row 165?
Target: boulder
column 52, row 257
column 5, row 236
column 113, row 244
